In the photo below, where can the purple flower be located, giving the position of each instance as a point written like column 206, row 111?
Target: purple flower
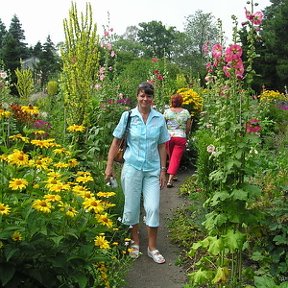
column 283, row 106
column 124, row 101
column 41, row 124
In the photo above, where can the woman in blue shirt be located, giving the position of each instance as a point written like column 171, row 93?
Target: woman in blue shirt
column 144, row 169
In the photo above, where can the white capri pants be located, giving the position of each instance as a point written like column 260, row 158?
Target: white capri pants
column 135, row 183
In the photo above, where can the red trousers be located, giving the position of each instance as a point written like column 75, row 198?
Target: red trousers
column 175, row 148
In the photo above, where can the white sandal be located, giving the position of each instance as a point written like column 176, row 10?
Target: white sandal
column 134, row 251
column 156, row 256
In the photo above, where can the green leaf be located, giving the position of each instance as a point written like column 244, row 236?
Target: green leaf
column 234, row 240
column 196, row 246
column 232, row 163
column 253, row 190
column 257, row 256
column 219, row 196
column 200, row 276
column 206, row 242
column 10, row 251
column 60, row 261
column 221, row 276
column 216, row 175
column 81, row 279
column 279, row 239
column 216, row 246
column 220, row 219
column 57, row 239
column 209, row 223
column 264, row 282
column 7, row 272
column 239, row 194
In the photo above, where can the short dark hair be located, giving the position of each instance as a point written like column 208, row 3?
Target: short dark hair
column 146, row 87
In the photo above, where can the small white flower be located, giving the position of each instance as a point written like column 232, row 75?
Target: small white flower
column 211, row 149
column 209, row 125
column 3, row 74
column 44, row 114
column 253, row 151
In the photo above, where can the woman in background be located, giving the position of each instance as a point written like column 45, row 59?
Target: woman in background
column 179, row 123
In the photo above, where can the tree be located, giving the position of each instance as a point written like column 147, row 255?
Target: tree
column 14, row 49
column 10, row 54
column 17, row 32
column 3, row 32
column 49, row 61
column 200, row 29
column 127, row 51
column 157, row 38
column 275, row 45
column 37, row 50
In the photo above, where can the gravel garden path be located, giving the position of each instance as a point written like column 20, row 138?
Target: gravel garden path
column 145, row 273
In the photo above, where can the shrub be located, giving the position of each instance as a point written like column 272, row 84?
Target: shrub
column 57, row 228
column 52, row 88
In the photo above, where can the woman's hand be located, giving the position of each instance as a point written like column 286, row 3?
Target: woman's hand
column 162, row 179
column 112, row 151
column 109, row 173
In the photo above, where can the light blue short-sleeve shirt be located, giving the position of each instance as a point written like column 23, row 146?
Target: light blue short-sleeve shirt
column 143, row 139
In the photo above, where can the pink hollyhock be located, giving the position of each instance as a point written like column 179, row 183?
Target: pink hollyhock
column 154, row 60
column 113, row 54
column 237, row 64
column 209, row 79
column 209, row 67
column 253, row 126
column 248, row 14
column 255, row 18
column 205, row 48
column 106, row 33
column 239, row 71
column 233, row 52
column 109, row 46
column 217, row 51
column 227, row 69
column 160, row 77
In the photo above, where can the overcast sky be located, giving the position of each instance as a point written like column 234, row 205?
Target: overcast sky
column 40, row 18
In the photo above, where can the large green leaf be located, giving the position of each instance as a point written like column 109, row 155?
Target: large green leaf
column 234, row 240
column 221, row 276
column 265, row 282
column 6, row 273
column 80, row 279
column 239, row 194
column 219, row 197
column 200, row 276
column 216, row 246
